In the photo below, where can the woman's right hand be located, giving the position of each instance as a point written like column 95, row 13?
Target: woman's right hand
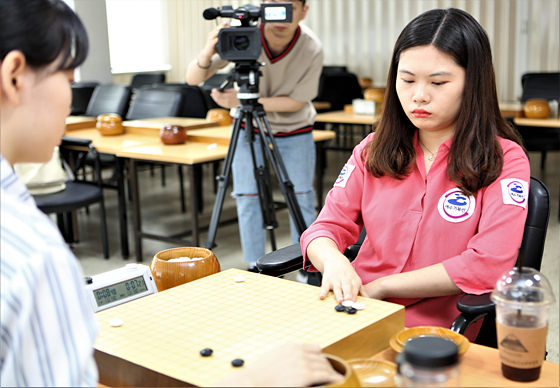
column 338, row 274
column 340, row 277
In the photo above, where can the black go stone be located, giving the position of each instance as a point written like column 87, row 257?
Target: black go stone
column 351, row 310
column 206, row 352
column 340, row 308
column 237, row 362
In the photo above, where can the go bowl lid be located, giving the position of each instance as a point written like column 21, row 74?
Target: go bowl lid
column 527, row 286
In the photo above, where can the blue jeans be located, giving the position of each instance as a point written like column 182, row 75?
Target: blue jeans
column 298, row 155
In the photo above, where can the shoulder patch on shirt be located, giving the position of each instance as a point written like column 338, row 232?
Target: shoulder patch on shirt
column 515, row 192
column 454, row 206
column 344, row 175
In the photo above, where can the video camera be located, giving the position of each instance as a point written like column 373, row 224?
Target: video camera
column 243, row 43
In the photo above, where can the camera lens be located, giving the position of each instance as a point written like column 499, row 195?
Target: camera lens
column 241, row 43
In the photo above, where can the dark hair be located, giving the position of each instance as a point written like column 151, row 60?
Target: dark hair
column 43, row 30
column 475, row 159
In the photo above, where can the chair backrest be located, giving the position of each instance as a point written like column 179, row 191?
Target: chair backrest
column 538, row 213
column 194, row 104
column 540, row 85
column 339, row 89
column 109, row 99
column 155, row 103
column 81, row 95
column 334, row 69
column 139, row 80
column 75, row 151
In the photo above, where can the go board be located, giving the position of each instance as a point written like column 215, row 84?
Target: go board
column 163, row 333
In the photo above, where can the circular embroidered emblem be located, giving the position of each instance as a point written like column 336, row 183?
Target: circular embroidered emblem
column 516, row 191
column 454, row 206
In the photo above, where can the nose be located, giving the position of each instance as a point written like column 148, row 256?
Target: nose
column 420, row 94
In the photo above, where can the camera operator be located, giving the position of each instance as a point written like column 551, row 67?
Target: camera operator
column 293, row 59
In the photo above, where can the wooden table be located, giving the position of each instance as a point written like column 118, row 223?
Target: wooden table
column 79, row 122
column 202, row 146
column 159, row 341
column 511, row 108
column 343, row 123
column 137, row 132
column 152, row 126
column 544, row 123
column 341, row 117
column 480, row 367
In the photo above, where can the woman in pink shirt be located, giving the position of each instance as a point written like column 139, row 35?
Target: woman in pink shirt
column 441, row 187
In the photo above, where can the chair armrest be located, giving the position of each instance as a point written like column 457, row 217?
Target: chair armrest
column 472, row 308
column 281, row 261
column 75, row 142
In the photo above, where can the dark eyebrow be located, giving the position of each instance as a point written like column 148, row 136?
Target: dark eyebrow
column 431, row 75
column 440, row 73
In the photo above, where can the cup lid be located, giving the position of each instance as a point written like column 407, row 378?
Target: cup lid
column 431, row 352
column 526, row 286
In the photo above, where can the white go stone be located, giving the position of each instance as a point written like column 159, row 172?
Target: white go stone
column 347, row 303
column 239, row 279
column 116, row 322
column 358, row 305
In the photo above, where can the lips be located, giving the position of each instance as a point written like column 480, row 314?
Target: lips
column 420, row 113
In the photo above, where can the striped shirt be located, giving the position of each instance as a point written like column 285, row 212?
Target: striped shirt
column 47, row 327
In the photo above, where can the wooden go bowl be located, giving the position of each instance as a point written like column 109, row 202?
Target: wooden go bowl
column 109, row 124
column 167, row 275
column 536, row 108
column 349, row 377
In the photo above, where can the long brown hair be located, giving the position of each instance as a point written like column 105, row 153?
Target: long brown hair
column 475, row 159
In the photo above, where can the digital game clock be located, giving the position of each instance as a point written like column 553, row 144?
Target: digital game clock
column 121, row 285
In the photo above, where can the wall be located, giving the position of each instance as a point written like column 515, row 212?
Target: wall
column 525, row 34
column 97, row 66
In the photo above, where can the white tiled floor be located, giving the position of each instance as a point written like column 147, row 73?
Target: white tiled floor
column 162, row 214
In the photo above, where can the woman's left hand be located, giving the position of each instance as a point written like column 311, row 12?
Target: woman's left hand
column 226, row 99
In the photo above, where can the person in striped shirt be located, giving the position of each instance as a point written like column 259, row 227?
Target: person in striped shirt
column 47, row 329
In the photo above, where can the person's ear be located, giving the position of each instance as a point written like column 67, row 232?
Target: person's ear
column 12, row 69
column 304, row 11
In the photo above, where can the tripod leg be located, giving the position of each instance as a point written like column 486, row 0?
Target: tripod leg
column 262, row 177
column 223, row 181
column 286, row 186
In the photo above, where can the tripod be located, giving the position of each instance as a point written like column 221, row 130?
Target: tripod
column 246, row 74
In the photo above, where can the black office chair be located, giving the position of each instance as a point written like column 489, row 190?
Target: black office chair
column 194, row 104
column 339, row 88
column 159, row 102
column 109, row 99
column 81, row 95
column 545, row 86
column 142, row 79
column 472, row 307
column 148, row 102
column 79, row 193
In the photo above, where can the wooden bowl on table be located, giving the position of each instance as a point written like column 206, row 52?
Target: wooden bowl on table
column 173, row 134
column 195, row 263
column 349, row 377
column 220, row 116
column 374, row 94
column 109, row 124
column 536, row 108
column 374, row 373
column 398, row 341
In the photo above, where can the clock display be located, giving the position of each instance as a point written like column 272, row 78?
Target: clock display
column 119, row 291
